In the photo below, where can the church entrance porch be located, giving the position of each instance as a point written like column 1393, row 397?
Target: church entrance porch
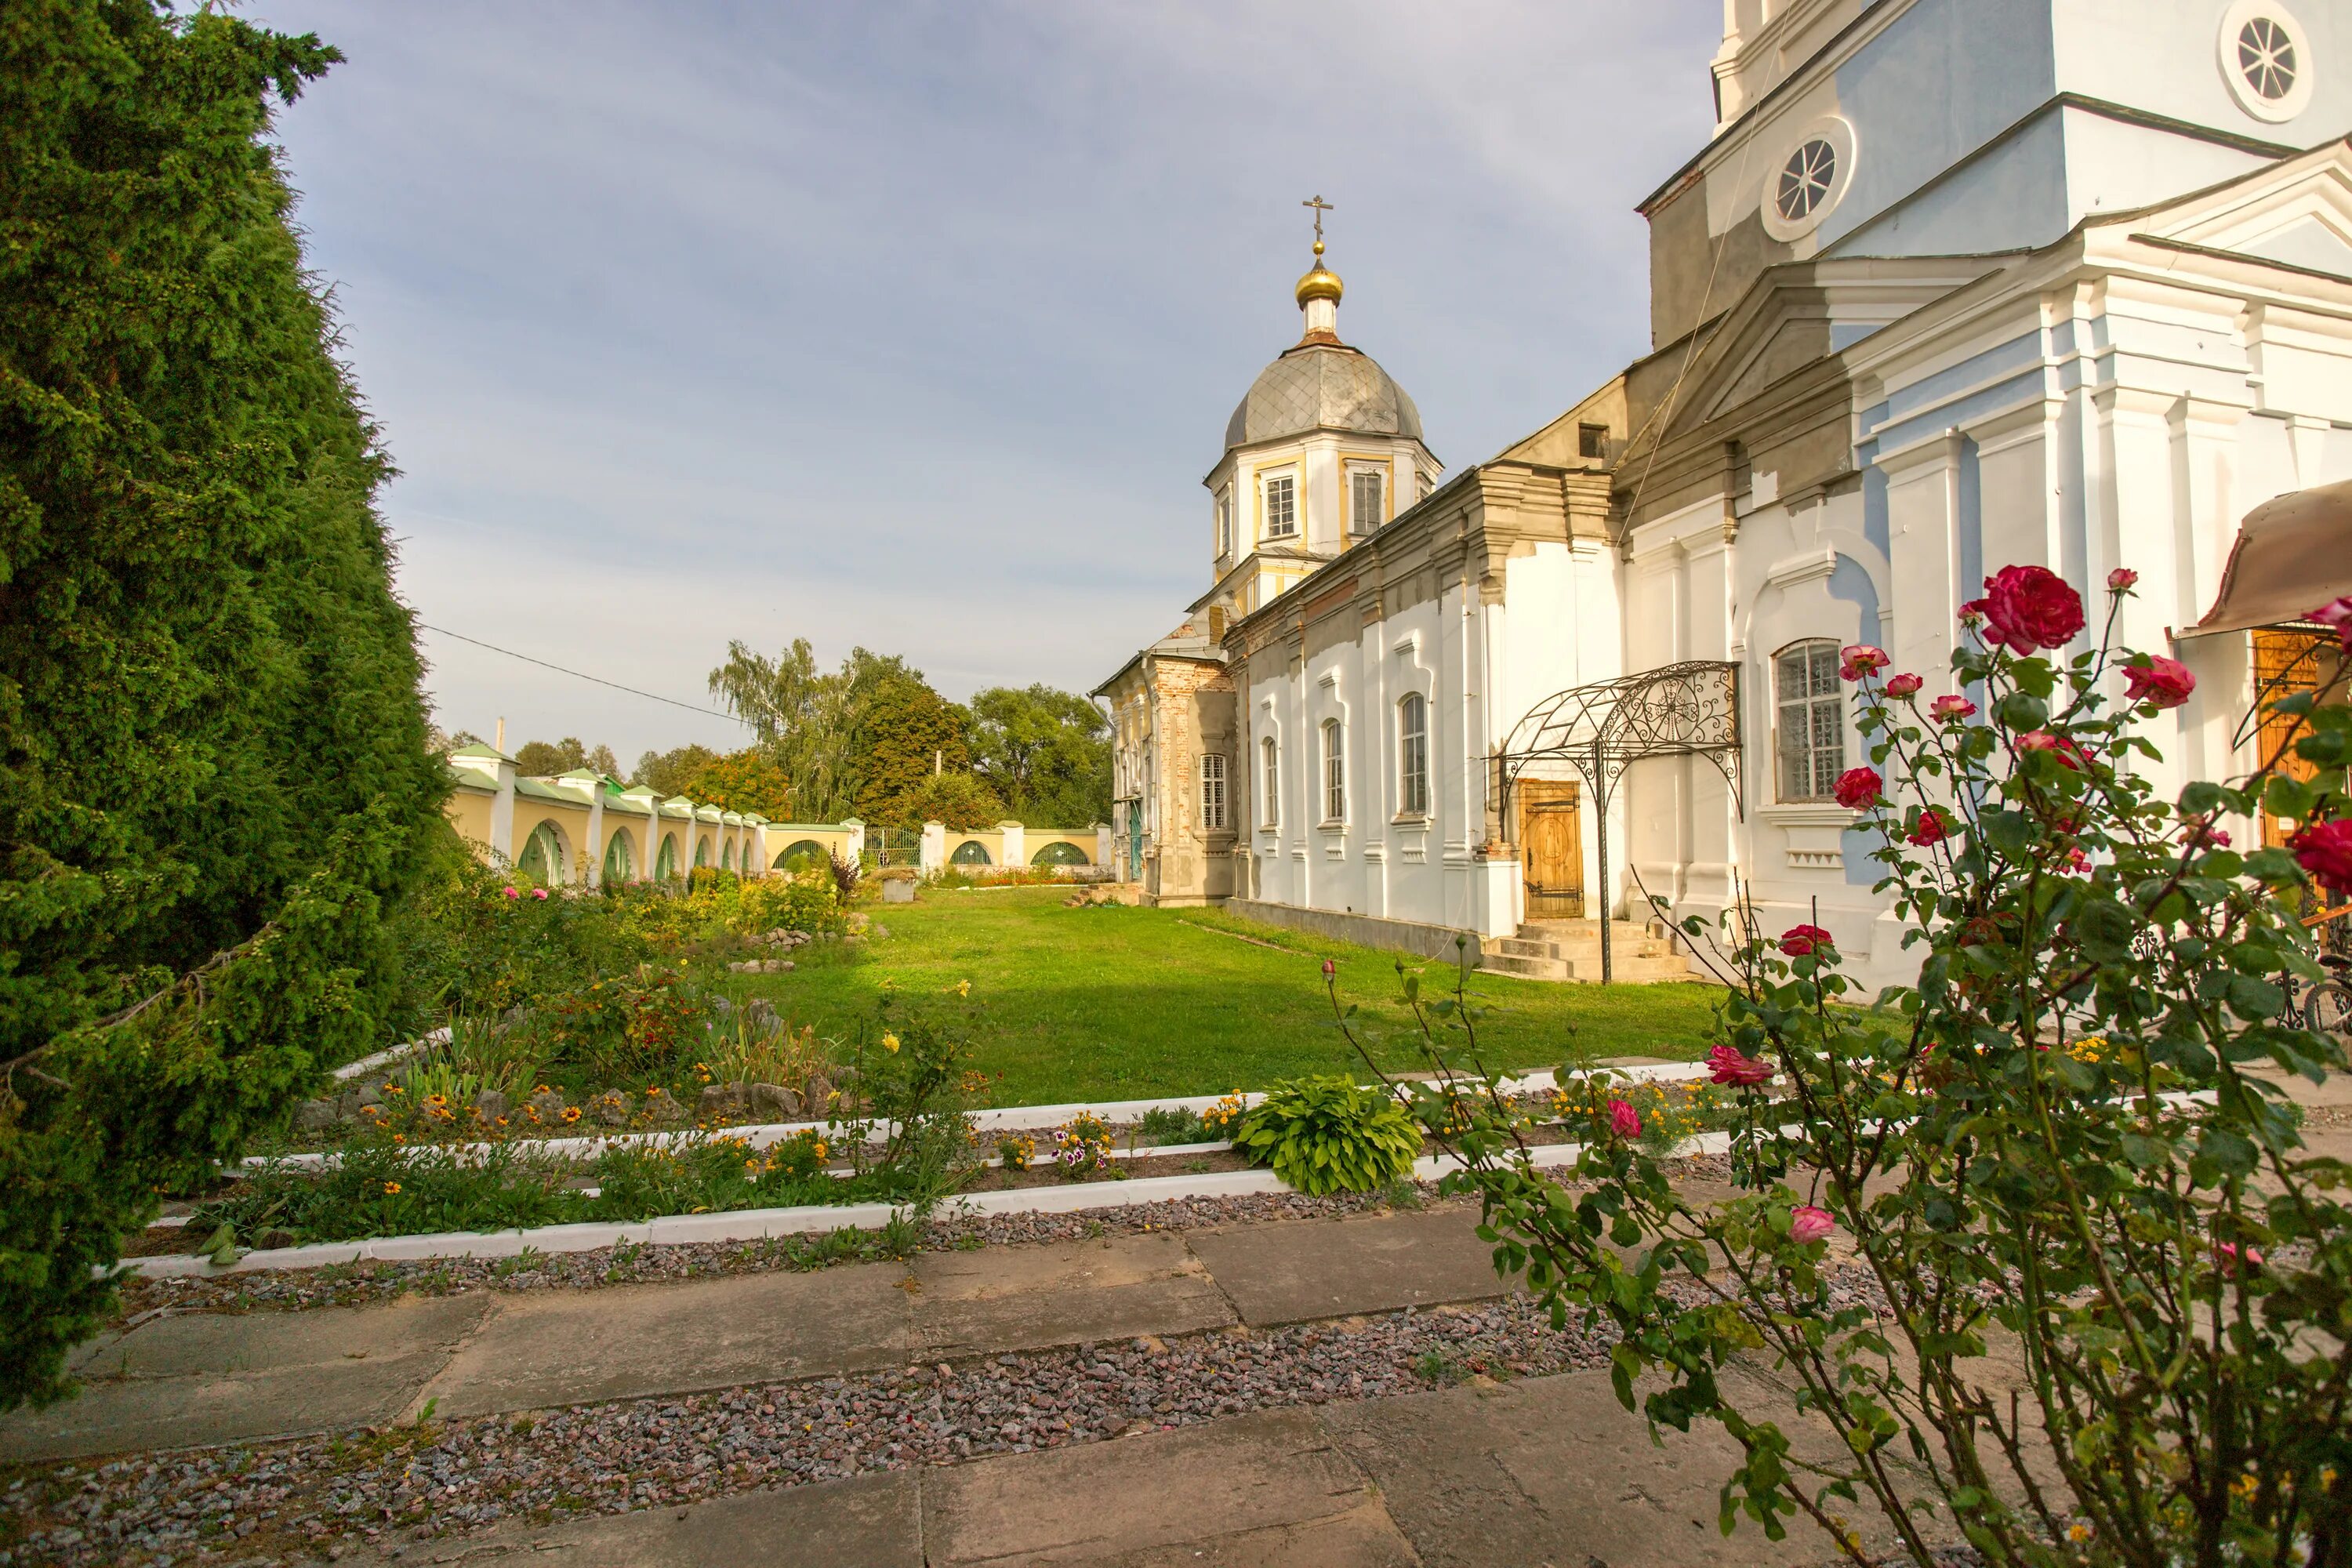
column 1551, row 848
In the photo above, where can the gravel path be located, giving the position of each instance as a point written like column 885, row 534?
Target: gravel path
column 316, row 1499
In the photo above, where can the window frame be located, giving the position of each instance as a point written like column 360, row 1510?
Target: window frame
column 1288, row 479
column 1823, row 693
column 1270, row 759
column 1224, row 521
column 1412, row 756
column 1356, row 474
column 1335, row 772
column 1214, row 816
column 1592, row 442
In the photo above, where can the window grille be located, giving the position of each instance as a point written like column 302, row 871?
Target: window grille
column 1270, row 812
column 1281, row 506
column 1366, row 497
column 1811, row 729
column 1335, row 774
column 1412, row 756
column 1212, row 792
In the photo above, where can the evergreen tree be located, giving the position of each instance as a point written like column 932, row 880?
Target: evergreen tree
column 214, row 774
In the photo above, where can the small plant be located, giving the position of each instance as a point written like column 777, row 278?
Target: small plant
column 745, row 1052
column 1440, row 1367
column 1016, row 1152
column 1082, row 1145
column 1224, row 1118
column 1173, row 1124
column 1327, row 1135
column 499, row 1054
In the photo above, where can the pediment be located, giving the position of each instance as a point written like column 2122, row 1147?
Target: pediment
column 2298, row 212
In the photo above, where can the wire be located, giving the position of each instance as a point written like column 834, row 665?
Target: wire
column 441, row 631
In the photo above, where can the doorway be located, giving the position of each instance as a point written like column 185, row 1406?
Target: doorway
column 1551, row 847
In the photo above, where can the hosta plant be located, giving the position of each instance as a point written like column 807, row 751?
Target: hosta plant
column 2038, row 1241
column 1330, row 1135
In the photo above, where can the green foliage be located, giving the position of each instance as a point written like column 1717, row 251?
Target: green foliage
column 1046, row 754
column 960, row 801
column 673, row 772
column 747, row 780
column 210, row 742
column 905, row 732
column 2067, row 1146
column 1327, row 1135
column 538, row 759
column 813, row 724
column 1173, row 1124
column 807, row 901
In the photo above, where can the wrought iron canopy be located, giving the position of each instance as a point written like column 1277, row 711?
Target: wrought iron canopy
column 1684, row 710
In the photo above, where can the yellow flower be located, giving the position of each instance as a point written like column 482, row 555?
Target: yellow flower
column 889, row 1042
column 963, row 987
column 392, row 1186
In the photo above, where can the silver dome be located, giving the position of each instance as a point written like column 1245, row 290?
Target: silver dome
column 1319, row 386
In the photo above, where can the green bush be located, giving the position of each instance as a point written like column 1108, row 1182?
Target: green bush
column 807, row 901
column 212, row 749
column 1327, row 1135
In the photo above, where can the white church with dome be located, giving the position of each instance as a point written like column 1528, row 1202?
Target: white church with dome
column 1954, row 284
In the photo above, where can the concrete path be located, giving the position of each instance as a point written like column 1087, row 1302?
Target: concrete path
column 191, row 1380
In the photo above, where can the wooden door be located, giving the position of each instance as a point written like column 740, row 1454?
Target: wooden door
column 2285, row 662
column 1551, row 848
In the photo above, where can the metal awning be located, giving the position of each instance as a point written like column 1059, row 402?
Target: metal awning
column 2294, row 554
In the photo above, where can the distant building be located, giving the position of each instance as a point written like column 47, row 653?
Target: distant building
column 1954, row 284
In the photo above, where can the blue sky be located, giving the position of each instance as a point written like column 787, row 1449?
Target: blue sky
column 916, row 326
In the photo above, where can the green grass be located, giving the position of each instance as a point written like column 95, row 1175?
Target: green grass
column 1115, row 1002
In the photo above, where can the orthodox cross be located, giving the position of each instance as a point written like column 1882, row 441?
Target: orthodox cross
column 1320, row 206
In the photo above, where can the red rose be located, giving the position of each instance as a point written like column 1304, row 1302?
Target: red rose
column 1799, row 941
column 2029, row 608
column 2058, row 746
column 1858, row 788
column 1622, row 1120
column 1950, row 709
column 1859, row 658
column 2336, row 613
column 1904, row 685
column 1733, row 1069
column 1932, row 828
column 2324, row 849
column 2122, row 577
column 1809, row 1224
column 2163, row 681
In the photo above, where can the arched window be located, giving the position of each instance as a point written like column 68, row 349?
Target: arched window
column 701, row 853
column 803, row 855
column 666, row 866
column 970, row 852
column 1060, row 852
column 1269, row 810
column 1412, row 756
column 1809, row 732
column 1335, row 773
column 1212, row 792
column 620, row 862
column 726, row 857
column 543, row 856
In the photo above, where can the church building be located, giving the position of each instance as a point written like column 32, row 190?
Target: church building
column 1954, row 284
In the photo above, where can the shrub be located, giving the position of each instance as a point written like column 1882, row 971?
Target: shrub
column 213, row 766
column 806, row 900
column 2053, row 1142
column 1327, row 1135
column 1173, row 1124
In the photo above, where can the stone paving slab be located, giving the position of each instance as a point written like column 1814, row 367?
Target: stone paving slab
column 581, row 1347
column 180, row 1382
column 1331, row 1268
column 866, row 1521
column 1006, row 1299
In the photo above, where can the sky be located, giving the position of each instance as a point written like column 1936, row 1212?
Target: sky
column 915, row 326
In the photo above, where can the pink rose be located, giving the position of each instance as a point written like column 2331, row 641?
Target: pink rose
column 1858, row 660
column 1808, row 1225
column 1799, row 941
column 2029, row 608
column 510, row 893
column 1932, row 828
column 2058, row 746
column 2122, row 577
column 1950, row 710
column 539, row 892
column 1859, row 788
column 2336, row 613
column 2227, row 1256
column 2076, row 861
column 1972, row 614
column 2324, row 849
column 1904, row 685
column 1329, row 969
column 1622, row 1120
column 2163, row 681
column 1734, row 1070
column 2198, row 833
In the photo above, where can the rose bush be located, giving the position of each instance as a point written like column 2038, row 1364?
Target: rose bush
column 2031, row 1239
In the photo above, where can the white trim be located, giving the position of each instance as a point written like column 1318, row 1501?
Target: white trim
column 1838, row 133
column 2297, row 97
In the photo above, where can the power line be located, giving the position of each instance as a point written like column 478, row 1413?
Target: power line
column 440, row 631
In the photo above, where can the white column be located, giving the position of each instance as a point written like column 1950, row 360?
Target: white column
column 502, row 813
column 935, row 845
column 595, row 845
column 1106, row 844
column 1017, row 843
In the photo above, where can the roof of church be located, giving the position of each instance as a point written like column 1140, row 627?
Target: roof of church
column 1322, row 387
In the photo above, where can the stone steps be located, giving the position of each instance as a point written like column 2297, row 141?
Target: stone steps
column 1642, row 953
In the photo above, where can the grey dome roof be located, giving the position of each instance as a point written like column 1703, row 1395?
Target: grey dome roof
column 1322, row 385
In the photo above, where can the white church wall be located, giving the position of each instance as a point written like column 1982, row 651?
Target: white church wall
column 2167, row 56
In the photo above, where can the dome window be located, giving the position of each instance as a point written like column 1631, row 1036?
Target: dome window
column 2265, row 60
column 1811, row 178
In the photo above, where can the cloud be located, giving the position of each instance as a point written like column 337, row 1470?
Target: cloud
column 916, row 326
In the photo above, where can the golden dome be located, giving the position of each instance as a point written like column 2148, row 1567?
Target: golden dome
column 1321, row 284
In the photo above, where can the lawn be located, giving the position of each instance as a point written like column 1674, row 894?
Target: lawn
column 1114, row 1003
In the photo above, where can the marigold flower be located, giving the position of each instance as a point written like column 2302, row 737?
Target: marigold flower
column 391, row 1187
column 1809, row 1224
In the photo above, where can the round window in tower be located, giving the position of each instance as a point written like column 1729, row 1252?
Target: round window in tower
column 1809, row 179
column 2265, row 60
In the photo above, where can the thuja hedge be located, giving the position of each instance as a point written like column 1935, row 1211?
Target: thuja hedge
column 213, row 772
